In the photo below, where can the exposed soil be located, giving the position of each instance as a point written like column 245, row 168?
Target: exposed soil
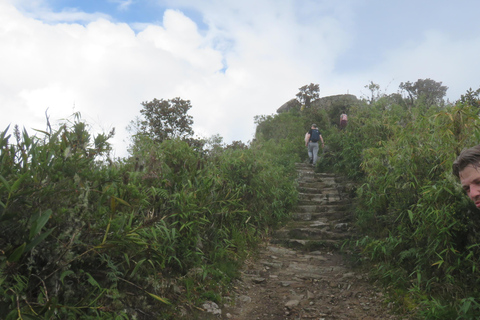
column 301, row 272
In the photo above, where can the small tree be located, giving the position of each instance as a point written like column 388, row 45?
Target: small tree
column 374, row 91
column 430, row 91
column 166, row 119
column 471, row 98
column 308, row 94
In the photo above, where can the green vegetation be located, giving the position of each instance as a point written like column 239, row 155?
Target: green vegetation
column 418, row 232
column 154, row 235
column 149, row 237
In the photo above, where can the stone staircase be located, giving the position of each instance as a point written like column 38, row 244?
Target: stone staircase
column 322, row 219
column 301, row 273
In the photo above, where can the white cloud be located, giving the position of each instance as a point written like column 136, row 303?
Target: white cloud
column 181, row 39
column 247, row 58
column 103, row 69
column 454, row 62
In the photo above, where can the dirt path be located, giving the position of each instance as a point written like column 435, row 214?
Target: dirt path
column 300, row 273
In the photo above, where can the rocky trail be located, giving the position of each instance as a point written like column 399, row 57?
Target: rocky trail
column 301, row 273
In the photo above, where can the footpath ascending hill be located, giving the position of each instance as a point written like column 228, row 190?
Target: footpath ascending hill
column 300, row 273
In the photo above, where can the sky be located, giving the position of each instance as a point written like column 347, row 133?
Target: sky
column 233, row 60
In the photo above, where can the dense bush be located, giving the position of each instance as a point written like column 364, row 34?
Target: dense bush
column 420, row 232
column 83, row 236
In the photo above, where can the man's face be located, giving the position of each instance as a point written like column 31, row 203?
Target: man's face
column 470, row 180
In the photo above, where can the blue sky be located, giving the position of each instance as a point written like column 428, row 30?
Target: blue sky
column 232, row 59
column 136, row 11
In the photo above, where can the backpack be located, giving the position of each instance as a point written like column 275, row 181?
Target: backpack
column 315, row 135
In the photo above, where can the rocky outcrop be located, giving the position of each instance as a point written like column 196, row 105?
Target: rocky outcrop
column 337, row 101
column 328, row 103
column 289, row 105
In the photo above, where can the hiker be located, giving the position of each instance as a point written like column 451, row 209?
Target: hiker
column 467, row 168
column 343, row 120
column 311, row 141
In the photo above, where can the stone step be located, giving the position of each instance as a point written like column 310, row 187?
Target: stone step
column 304, row 166
column 323, row 207
column 309, row 175
column 311, row 234
column 338, row 205
column 316, row 177
column 316, row 187
column 321, row 193
column 333, row 216
column 311, row 178
column 308, row 245
column 322, row 218
column 316, row 184
column 311, row 227
column 312, row 188
column 321, row 203
column 320, row 223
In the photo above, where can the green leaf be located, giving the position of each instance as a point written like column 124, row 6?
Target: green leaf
column 127, row 259
column 39, row 223
column 19, row 181
column 67, row 153
column 38, row 239
column 65, row 273
column 164, row 300
column 92, row 281
column 5, row 183
column 13, row 315
column 136, row 267
column 439, row 263
column 410, row 215
column 17, row 253
column 122, row 201
column 113, row 204
column 41, row 131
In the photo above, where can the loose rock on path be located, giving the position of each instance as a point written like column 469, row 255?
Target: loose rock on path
column 301, row 273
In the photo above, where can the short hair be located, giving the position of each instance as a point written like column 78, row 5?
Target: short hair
column 467, row 157
column 314, row 125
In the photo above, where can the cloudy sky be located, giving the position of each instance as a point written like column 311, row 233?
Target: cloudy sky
column 232, row 59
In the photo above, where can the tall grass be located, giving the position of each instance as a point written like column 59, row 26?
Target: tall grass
column 85, row 236
column 420, row 231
